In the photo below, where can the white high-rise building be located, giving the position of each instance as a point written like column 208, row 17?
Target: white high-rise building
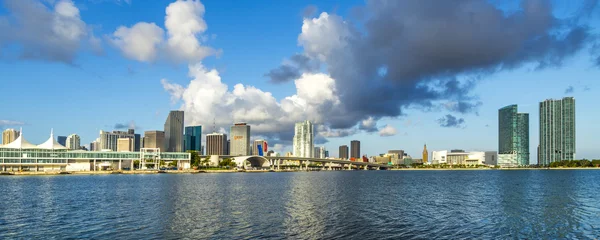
column 239, row 139
column 73, row 142
column 303, row 140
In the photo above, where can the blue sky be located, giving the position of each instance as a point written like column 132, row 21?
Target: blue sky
column 100, row 85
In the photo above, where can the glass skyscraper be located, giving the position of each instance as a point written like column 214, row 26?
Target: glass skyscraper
column 193, row 138
column 303, row 140
column 557, row 130
column 513, row 135
column 174, row 132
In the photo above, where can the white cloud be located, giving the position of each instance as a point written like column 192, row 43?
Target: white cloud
column 52, row 34
column 206, row 98
column 184, row 26
column 322, row 36
column 387, row 131
column 10, row 123
column 140, row 42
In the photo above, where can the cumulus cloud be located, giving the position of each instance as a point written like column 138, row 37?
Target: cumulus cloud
column 184, row 24
column 368, row 125
column 430, row 55
column 292, row 69
column 450, row 121
column 387, row 131
column 206, row 98
column 54, row 33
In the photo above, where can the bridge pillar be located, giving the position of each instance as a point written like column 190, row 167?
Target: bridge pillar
column 366, row 167
column 330, row 163
column 350, row 166
column 300, row 165
column 307, row 163
column 278, row 164
column 378, row 168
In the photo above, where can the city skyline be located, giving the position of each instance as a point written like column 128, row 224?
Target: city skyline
column 231, row 88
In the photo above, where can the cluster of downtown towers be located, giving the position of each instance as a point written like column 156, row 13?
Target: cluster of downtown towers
column 556, row 135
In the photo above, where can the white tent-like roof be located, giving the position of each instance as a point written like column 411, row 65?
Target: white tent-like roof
column 51, row 143
column 19, row 143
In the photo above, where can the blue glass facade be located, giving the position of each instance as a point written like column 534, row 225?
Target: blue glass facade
column 193, row 138
column 513, row 134
column 62, row 140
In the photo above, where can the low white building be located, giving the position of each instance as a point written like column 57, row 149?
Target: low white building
column 464, row 158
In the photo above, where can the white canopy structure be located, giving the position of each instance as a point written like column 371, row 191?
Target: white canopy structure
column 19, row 143
column 51, row 143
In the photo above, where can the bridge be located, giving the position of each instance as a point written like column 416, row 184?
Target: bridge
column 277, row 162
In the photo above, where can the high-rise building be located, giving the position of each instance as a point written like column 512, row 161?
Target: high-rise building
column 216, row 144
column 108, row 140
column 317, row 152
column 73, row 142
column 125, row 144
column 322, row 152
column 263, row 147
column 355, row 149
column 239, row 139
column 62, row 140
column 137, row 142
column 343, row 154
column 513, row 135
column 193, row 138
column 326, row 153
column 303, row 139
column 95, row 145
column 174, row 132
column 557, row 130
column 9, row 135
column 154, row 139
column 425, row 154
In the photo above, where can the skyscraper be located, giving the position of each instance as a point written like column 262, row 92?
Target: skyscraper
column 154, row 139
column 557, row 130
column 513, row 136
column 62, row 140
column 303, row 140
column 317, row 152
column 425, row 154
column 125, row 144
column 193, row 138
column 108, row 140
column 263, row 147
column 9, row 135
column 239, row 139
column 355, row 149
column 73, row 142
column 343, row 154
column 216, row 144
column 174, row 132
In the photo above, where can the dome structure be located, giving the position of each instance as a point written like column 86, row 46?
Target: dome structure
column 51, row 143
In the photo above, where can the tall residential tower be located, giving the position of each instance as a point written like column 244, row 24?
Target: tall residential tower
column 239, row 142
column 303, row 140
column 355, row 149
column 513, row 137
column 557, row 130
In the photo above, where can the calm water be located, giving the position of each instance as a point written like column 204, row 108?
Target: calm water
column 316, row 205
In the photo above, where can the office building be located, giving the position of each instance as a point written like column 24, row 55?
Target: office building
column 216, row 144
column 239, row 139
column 62, row 140
column 513, row 134
column 343, row 153
column 174, row 132
column 326, row 153
column 303, row 140
column 125, row 144
column 108, row 140
column 193, row 138
column 73, row 142
column 557, row 130
column 10, row 135
column 260, row 147
column 425, row 154
column 317, row 152
column 137, row 142
column 95, row 145
column 355, row 149
column 154, row 139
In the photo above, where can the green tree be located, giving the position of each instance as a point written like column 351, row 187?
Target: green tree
column 195, row 158
column 136, row 164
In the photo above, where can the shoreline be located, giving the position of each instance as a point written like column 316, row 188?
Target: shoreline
column 80, row 173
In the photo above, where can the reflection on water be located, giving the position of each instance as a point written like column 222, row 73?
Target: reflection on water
column 327, row 205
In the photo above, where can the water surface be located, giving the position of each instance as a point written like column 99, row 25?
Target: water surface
column 305, row 205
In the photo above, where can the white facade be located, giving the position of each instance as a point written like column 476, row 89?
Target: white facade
column 507, row 160
column 73, row 142
column 464, row 158
column 303, row 140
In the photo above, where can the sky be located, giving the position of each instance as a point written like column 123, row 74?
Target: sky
column 392, row 74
